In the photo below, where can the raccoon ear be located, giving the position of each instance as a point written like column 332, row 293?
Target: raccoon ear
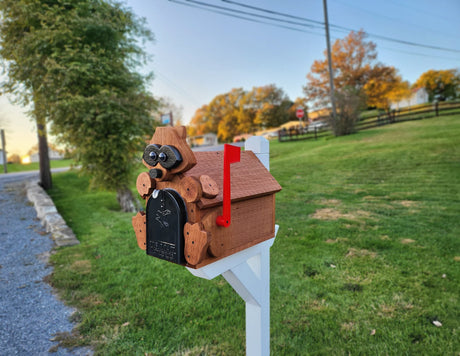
column 181, row 131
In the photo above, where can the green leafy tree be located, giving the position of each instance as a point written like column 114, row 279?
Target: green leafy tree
column 103, row 108
column 95, row 100
column 24, row 56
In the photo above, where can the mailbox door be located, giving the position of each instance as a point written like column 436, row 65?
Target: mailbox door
column 165, row 218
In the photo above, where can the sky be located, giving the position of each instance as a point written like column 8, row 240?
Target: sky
column 198, row 54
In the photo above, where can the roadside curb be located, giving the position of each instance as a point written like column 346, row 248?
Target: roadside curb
column 49, row 216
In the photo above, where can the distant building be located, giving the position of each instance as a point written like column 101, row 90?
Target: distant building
column 209, row 139
column 53, row 155
column 418, row 96
column 1, row 157
column 241, row 138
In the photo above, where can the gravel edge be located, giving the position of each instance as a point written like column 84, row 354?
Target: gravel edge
column 49, row 216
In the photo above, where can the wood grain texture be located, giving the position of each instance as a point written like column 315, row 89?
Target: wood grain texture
column 209, row 186
column 252, row 222
column 145, row 185
column 175, row 136
column 199, row 181
column 193, row 213
column 190, row 189
column 249, row 177
column 196, row 243
column 140, row 229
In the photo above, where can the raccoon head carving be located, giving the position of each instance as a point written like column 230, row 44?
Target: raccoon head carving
column 168, row 153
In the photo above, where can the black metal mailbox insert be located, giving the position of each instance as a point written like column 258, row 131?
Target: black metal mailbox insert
column 166, row 216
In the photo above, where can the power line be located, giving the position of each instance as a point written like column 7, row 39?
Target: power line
column 243, row 18
column 410, row 43
column 418, row 54
column 393, row 19
column 273, row 12
column 250, row 14
column 226, row 11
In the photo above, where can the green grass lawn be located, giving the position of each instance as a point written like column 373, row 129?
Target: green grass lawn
column 366, row 259
column 16, row 167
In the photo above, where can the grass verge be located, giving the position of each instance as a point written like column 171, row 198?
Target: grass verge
column 16, row 167
column 367, row 260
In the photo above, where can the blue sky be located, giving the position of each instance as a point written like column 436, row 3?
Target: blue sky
column 199, row 54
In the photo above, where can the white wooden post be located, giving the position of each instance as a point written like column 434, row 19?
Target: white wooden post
column 261, row 147
column 248, row 272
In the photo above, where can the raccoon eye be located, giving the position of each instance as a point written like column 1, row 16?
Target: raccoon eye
column 151, row 154
column 169, row 157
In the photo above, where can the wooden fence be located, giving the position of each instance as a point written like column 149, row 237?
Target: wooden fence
column 302, row 133
column 418, row 112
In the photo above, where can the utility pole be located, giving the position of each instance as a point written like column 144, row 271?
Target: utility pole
column 329, row 62
column 2, row 134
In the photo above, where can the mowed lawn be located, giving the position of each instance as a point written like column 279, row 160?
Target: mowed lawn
column 16, row 167
column 366, row 261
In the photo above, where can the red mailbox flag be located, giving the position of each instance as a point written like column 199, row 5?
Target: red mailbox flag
column 232, row 154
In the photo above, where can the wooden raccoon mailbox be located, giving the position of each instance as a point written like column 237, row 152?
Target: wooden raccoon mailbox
column 202, row 206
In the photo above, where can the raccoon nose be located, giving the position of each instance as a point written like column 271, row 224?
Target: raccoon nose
column 155, row 173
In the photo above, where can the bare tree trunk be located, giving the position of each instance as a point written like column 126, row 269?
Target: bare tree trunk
column 126, row 200
column 45, row 170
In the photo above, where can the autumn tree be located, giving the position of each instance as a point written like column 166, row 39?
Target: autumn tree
column 384, row 87
column 269, row 106
column 224, row 114
column 356, row 72
column 240, row 111
column 400, row 92
column 198, row 123
column 440, row 84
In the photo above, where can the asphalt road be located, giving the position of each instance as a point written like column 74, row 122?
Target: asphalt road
column 30, row 314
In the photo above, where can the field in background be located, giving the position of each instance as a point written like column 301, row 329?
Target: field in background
column 367, row 259
column 16, row 167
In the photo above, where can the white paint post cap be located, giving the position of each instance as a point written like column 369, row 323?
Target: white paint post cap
column 257, row 144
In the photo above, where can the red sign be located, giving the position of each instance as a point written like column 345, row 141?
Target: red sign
column 299, row 113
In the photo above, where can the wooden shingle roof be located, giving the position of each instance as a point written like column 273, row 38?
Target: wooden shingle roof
column 249, row 177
